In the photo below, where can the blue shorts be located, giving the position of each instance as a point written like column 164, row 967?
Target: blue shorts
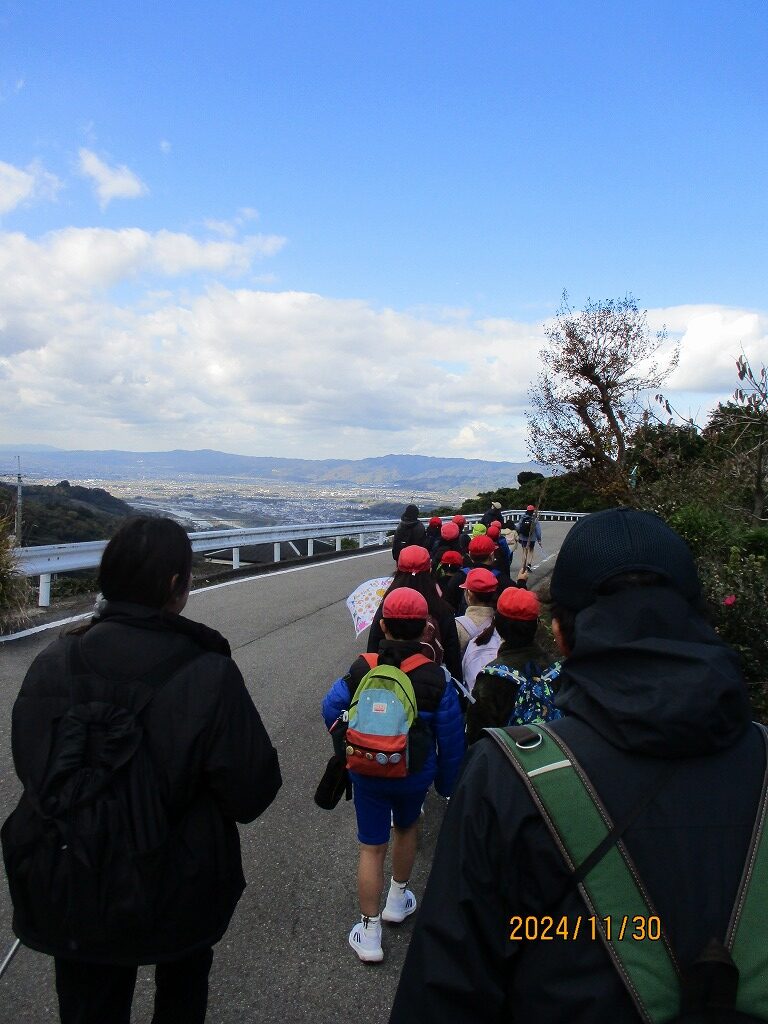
column 378, row 805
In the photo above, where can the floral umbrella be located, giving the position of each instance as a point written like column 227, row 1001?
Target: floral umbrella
column 364, row 601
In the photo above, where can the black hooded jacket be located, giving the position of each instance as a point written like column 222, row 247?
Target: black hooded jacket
column 648, row 684
column 213, row 760
column 410, row 531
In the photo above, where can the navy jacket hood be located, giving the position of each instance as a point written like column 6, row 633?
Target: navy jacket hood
column 652, row 677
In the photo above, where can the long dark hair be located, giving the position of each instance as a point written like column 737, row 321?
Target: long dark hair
column 141, row 560
column 423, row 583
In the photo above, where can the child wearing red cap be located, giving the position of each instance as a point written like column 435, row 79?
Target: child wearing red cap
column 515, row 623
column 433, row 533
column 449, row 541
column 481, row 588
column 381, row 803
column 413, row 570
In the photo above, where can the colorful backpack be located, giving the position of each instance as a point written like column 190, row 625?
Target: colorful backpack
column 381, row 715
column 535, row 701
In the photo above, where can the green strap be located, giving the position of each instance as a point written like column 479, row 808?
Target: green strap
column 612, row 890
column 747, row 937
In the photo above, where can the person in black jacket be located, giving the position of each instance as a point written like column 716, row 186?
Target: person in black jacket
column 492, row 515
column 413, row 570
column 213, row 766
column 657, row 713
column 410, row 531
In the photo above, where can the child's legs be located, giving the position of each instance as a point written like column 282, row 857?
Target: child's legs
column 404, row 851
column 370, row 878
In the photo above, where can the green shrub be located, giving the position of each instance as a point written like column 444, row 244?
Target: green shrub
column 15, row 590
column 755, row 542
column 737, row 593
column 705, row 530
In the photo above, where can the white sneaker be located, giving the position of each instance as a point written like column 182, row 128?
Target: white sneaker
column 398, row 906
column 365, row 939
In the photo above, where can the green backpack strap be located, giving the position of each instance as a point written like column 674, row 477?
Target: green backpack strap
column 620, row 910
column 747, row 937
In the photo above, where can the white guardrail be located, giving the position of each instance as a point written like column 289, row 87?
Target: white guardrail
column 45, row 560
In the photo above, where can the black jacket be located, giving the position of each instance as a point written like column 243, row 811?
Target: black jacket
column 493, row 515
column 449, row 638
column 648, row 684
column 410, row 531
column 212, row 757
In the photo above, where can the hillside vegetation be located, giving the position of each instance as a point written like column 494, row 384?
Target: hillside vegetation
column 64, row 514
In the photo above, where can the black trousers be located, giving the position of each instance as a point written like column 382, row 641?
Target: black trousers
column 102, row 993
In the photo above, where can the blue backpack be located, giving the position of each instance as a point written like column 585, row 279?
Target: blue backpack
column 535, row 701
column 384, row 721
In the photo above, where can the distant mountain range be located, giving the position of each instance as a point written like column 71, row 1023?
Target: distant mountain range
column 403, row 472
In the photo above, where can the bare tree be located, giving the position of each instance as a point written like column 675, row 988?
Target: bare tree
column 597, row 366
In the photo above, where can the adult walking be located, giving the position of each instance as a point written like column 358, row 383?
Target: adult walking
column 409, row 531
column 529, row 534
column 655, row 783
column 139, row 749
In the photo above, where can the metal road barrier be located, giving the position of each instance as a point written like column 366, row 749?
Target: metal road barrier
column 45, row 560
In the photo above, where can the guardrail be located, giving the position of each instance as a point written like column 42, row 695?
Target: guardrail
column 45, row 560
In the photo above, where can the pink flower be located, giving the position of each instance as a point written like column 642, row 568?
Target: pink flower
column 729, row 601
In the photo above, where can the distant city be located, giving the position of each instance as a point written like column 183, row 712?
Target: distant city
column 209, row 489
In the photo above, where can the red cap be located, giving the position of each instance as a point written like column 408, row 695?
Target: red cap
column 482, row 545
column 517, row 603
column 480, row 581
column 414, row 558
column 435, row 521
column 405, row 603
column 460, row 521
column 449, row 531
column 451, row 558
column 493, row 531
column 530, row 508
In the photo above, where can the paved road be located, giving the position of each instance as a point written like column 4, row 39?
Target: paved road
column 285, row 956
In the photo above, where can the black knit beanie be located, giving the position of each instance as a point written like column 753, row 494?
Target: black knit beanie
column 411, row 514
column 619, row 540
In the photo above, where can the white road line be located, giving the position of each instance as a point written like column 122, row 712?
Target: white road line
column 200, row 590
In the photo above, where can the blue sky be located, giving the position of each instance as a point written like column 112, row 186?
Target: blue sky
column 341, row 211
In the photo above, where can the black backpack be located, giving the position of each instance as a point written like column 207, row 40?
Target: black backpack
column 524, row 526
column 87, row 854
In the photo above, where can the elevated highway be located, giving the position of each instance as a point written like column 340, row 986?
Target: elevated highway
column 285, row 956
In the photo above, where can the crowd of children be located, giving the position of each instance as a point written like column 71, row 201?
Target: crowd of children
column 451, row 650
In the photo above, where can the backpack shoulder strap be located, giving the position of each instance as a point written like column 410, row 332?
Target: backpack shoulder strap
column 611, row 888
column 747, row 937
column 371, row 659
column 413, row 662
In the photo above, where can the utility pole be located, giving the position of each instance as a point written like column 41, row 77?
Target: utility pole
column 18, row 503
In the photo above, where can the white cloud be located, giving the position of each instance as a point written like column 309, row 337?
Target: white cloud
column 165, row 146
column 256, row 371
column 711, row 340
column 110, row 182
column 17, row 185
